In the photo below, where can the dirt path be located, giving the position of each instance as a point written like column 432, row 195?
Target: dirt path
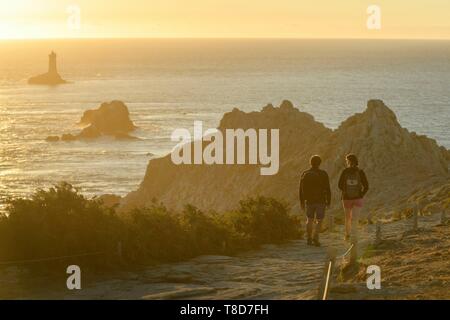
column 414, row 265
column 290, row 271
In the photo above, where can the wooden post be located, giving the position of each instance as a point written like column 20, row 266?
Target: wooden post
column 416, row 217
column 331, row 223
column 378, row 233
column 328, row 268
column 420, row 211
column 354, row 253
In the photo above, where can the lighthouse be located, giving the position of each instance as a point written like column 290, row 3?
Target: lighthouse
column 52, row 63
column 51, row 77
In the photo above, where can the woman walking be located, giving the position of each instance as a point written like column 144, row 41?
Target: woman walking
column 354, row 186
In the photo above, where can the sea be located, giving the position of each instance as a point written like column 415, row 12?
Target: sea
column 170, row 83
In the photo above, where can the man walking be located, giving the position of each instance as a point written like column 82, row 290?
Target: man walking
column 315, row 196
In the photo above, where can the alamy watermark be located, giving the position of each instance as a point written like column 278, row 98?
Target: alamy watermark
column 239, row 146
column 74, row 18
column 74, row 280
column 373, row 281
column 374, row 19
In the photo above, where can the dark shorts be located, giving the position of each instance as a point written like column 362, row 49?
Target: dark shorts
column 315, row 210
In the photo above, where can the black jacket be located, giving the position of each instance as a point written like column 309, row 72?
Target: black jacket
column 315, row 187
column 364, row 182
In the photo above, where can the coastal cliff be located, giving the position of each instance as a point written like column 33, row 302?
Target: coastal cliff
column 398, row 163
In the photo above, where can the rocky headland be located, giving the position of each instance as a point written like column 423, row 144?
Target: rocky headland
column 401, row 165
column 111, row 119
column 404, row 169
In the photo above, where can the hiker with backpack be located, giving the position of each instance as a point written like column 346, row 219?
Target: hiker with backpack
column 354, row 186
column 315, row 196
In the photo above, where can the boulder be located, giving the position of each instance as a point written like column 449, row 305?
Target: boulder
column 110, row 200
column 124, row 136
column 110, row 119
column 90, row 132
column 68, row 137
column 52, row 139
column 47, row 78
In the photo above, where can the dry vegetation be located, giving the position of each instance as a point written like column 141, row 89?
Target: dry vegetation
column 61, row 222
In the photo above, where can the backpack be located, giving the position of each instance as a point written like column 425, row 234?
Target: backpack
column 353, row 185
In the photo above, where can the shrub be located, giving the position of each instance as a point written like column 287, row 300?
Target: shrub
column 154, row 234
column 57, row 222
column 205, row 234
column 264, row 220
column 61, row 222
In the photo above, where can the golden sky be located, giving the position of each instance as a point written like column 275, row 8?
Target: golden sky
column 428, row 19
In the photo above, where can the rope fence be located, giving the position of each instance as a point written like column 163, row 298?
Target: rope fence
column 14, row 262
column 444, row 216
column 331, row 258
column 342, row 256
column 56, row 258
column 330, row 262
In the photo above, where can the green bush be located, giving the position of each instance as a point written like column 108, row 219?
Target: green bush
column 265, row 220
column 61, row 222
column 205, row 234
column 153, row 234
column 57, row 222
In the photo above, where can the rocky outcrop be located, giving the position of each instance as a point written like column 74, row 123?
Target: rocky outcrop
column 52, row 139
column 109, row 200
column 396, row 161
column 51, row 77
column 47, row 78
column 110, row 119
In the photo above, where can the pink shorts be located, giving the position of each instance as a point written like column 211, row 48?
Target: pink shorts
column 350, row 204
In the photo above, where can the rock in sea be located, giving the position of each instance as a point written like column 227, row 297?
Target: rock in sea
column 111, row 119
column 51, row 77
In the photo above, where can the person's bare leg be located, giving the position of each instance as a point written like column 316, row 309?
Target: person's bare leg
column 348, row 221
column 309, row 228
column 354, row 225
column 318, row 227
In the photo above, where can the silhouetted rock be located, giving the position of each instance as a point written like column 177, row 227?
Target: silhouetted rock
column 68, row 137
column 124, row 136
column 91, row 132
column 52, row 139
column 286, row 105
column 395, row 160
column 110, row 119
column 51, row 77
column 110, row 200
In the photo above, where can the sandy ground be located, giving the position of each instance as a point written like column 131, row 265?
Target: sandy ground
column 413, row 265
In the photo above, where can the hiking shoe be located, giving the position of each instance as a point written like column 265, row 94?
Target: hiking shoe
column 309, row 242
column 316, row 243
column 347, row 237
